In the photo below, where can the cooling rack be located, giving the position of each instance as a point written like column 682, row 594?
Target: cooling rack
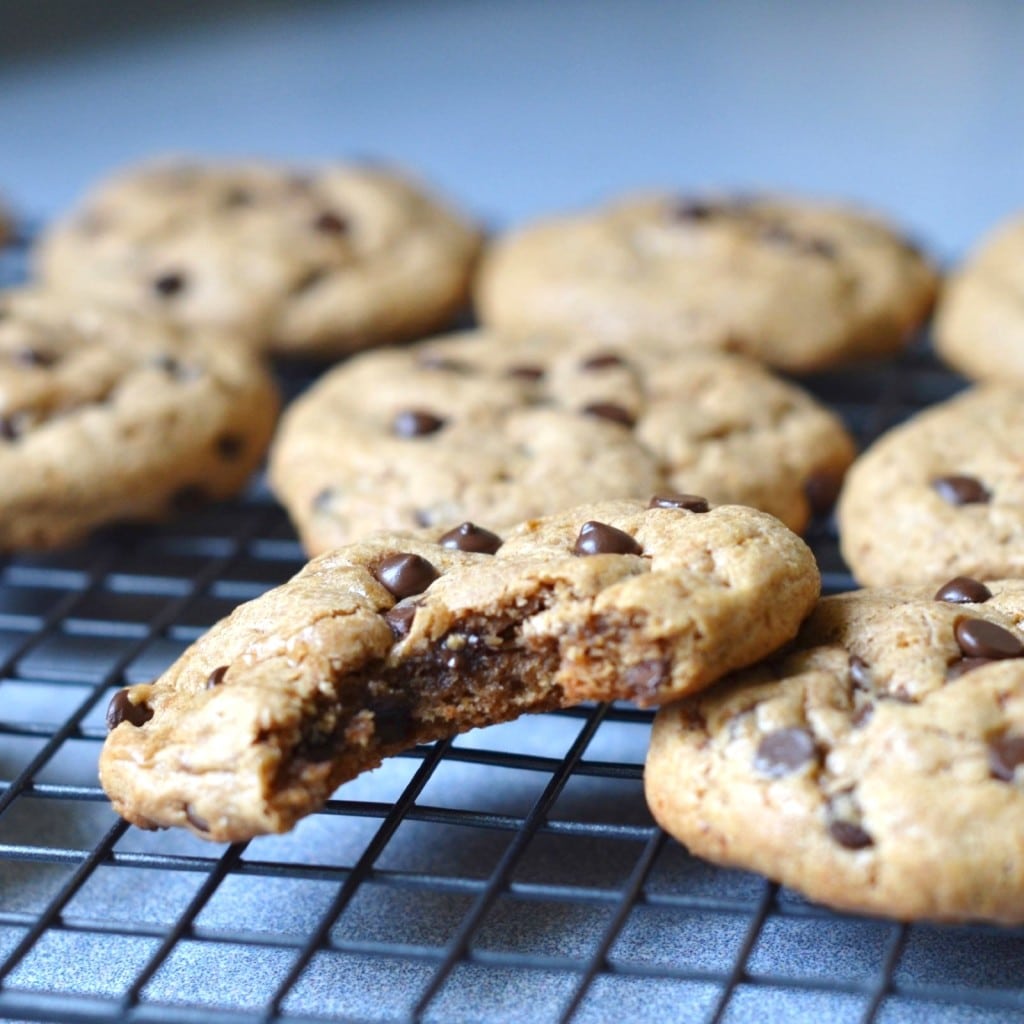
column 512, row 874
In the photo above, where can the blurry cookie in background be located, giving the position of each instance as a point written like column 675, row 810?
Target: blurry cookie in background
column 798, row 285
column 491, row 428
column 314, row 262
column 979, row 322
column 106, row 416
column 940, row 495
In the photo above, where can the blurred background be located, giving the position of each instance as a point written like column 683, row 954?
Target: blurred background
column 516, row 109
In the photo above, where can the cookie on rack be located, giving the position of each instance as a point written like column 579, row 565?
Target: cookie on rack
column 314, row 262
column 486, row 426
column 407, row 638
column 799, row 285
column 940, row 495
column 875, row 766
column 979, row 322
column 107, row 416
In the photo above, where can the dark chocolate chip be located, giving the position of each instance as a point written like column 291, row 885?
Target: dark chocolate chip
column 170, row 284
column 961, row 490
column 392, row 719
column 860, row 674
column 189, row 499
column 216, row 677
column 35, row 357
column 963, row 590
column 850, row 835
column 643, row 679
column 784, row 751
column 238, row 197
column 230, row 446
column 525, row 372
column 405, row 574
column 610, row 411
column 416, row 423
column 400, row 619
column 331, row 223
column 10, row 428
column 694, row 210
column 603, row 361
column 1004, row 755
column 821, row 489
column 121, row 709
column 601, row 539
column 690, row 502
column 979, row 638
column 964, row 665
column 470, row 537
column 198, row 823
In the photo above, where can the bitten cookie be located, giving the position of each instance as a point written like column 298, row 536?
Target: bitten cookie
column 874, row 767
column 403, row 639
column 795, row 284
column 318, row 262
column 979, row 322
column 106, row 416
column 489, row 428
column 940, row 495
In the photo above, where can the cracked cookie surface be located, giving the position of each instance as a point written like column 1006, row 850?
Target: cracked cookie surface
column 941, row 494
column 979, row 322
column 875, row 766
column 488, row 427
column 314, row 262
column 403, row 639
column 796, row 284
column 106, row 416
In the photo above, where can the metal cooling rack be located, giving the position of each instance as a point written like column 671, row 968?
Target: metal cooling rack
column 512, row 874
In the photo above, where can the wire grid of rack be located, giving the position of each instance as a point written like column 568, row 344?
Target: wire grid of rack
column 512, row 874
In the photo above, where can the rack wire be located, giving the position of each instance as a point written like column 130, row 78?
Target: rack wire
column 512, row 874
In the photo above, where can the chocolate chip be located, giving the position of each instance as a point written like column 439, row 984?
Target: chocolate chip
column 694, row 210
column 860, row 674
column 820, row 247
column 784, row 751
column 330, row 223
column 601, row 539
column 821, row 489
column 1004, row 755
column 121, row 709
column 34, row 357
column 963, row 590
column 850, row 835
column 392, row 719
column 216, row 677
column 961, row 490
column 405, row 574
column 610, row 411
column 690, row 502
column 603, row 361
column 416, row 423
column 198, row 823
column 400, row 619
column 237, row 197
column 962, row 666
column 525, row 372
column 643, row 679
column 979, row 638
column 230, row 446
column 470, row 537
column 10, row 428
column 170, row 284
column 189, row 499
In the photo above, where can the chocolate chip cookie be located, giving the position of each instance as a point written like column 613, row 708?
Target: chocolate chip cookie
column 940, row 495
column 316, row 262
column 875, row 767
column 405, row 638
column 487, row 427
column 799, row 285
column 108, row 416
column 979, row 324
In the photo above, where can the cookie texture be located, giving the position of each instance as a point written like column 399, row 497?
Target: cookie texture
column 796, row 284
column 488, row 427
column 106, row 416
column 940, row 495
column 317, row 262
column 874, row 767
column 979, row 322
column 403, row 639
